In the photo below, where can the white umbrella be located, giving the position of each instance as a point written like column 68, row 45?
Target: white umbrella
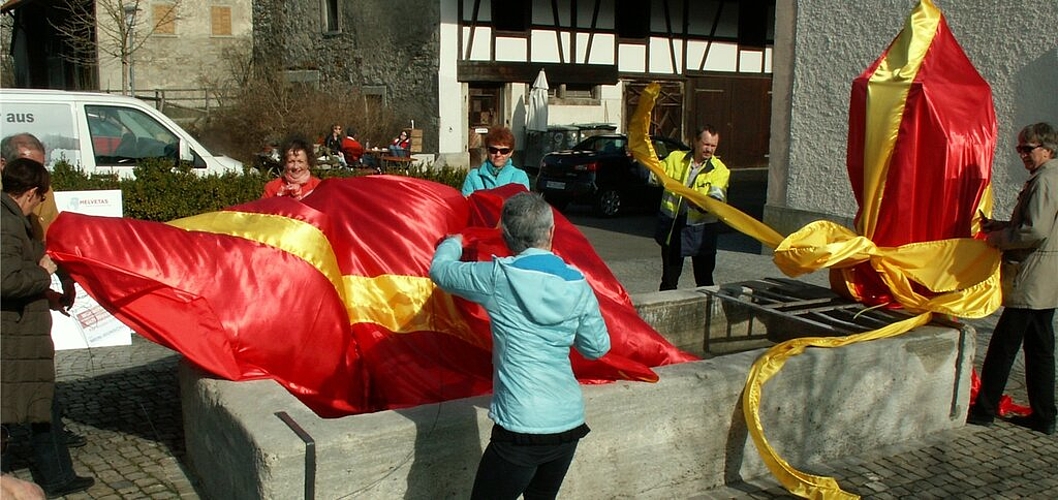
column 536, row 117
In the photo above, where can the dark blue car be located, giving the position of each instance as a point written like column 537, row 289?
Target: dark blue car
column 600, row 171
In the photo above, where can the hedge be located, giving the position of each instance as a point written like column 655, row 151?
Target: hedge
column 162, row 193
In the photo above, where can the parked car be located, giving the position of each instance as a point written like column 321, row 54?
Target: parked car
column 600, row 171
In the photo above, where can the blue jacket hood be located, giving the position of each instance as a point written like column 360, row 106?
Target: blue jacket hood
column 540, row 282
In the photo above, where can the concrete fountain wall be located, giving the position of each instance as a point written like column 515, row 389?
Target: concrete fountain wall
column 672, row 439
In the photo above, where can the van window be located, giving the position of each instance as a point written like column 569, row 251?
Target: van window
column 122, row 136
column 51, row 123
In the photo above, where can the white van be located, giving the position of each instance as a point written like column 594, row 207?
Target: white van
column 102, row 133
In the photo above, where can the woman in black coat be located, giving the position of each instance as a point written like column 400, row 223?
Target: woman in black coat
column 27, row 354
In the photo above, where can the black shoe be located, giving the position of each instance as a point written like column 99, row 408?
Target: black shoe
column 978, row 419
column 74, row 440
column 74, row 485
column 1034, row 424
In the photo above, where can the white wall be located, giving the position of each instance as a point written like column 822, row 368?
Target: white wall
column 452, row 133
column 1012, row 44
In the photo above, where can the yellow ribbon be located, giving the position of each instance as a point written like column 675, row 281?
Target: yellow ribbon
column 962, row 275
column 796, row 482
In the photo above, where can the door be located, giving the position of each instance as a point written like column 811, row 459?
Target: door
column 484, row 110
column 740, row 108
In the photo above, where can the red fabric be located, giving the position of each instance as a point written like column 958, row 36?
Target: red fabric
column 226, row 303
column 941, row 162
column 243, row 310
column 1006, row 408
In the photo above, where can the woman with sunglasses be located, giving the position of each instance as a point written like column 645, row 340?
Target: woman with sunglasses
column 1029, row 241
column 498, row 170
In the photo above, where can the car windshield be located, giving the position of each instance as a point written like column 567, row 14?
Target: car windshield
column 602, row 144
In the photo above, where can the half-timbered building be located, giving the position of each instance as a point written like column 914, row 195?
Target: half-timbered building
column 456, row 66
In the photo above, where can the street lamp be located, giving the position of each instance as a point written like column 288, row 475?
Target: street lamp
column 130, row 23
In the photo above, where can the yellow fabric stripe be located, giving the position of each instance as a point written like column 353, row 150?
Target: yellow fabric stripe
column 406, row 304
column 797, row 482
column 887, row 92
column 293, row 236
column 968, row 285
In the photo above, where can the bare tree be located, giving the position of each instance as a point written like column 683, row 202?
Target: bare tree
column 115, row 28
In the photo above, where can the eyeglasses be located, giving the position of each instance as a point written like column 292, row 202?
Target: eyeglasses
column 42, row 196
column 1026, row 149
column 498, row 151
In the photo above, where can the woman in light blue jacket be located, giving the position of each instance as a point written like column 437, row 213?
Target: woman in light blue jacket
column 498, row 169
column 539, row 307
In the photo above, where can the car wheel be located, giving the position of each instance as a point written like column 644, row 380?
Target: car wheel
column 558, row 203
column 608, row 203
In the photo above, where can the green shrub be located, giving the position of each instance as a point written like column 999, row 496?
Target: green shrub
column 163, row 193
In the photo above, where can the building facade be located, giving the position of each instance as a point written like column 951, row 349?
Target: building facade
column 186, row 44
column 458, row 66
column 171, row 45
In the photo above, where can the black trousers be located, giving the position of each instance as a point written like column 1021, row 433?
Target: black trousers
column 1032, row 330
column 534, row 472
column 704, row 261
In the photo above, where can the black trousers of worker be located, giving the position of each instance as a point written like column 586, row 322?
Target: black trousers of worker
column 1034, row 328
column 704, row 261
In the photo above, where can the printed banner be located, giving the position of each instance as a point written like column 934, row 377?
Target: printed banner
column 89, row 324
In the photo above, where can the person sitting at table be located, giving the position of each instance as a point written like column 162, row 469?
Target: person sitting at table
column 297, row 180
column 332, row 144
column 498, row 170
column 401, row 145
column 352, row 150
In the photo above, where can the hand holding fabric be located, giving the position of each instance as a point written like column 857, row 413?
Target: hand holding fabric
column 69, row 293
column 55, row 302
column 48, row 264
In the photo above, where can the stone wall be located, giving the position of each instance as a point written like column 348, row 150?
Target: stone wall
column 389, row 48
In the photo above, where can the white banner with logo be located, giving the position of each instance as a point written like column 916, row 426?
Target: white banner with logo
column 88, row 325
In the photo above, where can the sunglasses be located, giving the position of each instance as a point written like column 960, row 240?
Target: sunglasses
column 498, row 151
column 42, row 196
column 1026, row 149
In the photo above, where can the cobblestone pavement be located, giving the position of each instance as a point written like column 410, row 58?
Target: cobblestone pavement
column 125, row 400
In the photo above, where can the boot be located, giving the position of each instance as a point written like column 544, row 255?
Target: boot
column 53, row 464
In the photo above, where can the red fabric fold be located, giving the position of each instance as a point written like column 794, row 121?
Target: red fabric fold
column 244, row 310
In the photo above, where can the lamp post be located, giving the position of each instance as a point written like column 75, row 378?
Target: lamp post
column 130, row 23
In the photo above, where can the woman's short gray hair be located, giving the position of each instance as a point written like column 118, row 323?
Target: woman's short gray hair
column 526, row 222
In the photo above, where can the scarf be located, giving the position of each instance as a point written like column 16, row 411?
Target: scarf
column 294, row 181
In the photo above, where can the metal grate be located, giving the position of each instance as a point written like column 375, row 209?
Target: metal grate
column 778, row 309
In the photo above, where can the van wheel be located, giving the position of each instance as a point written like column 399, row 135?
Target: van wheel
column 608, row 203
